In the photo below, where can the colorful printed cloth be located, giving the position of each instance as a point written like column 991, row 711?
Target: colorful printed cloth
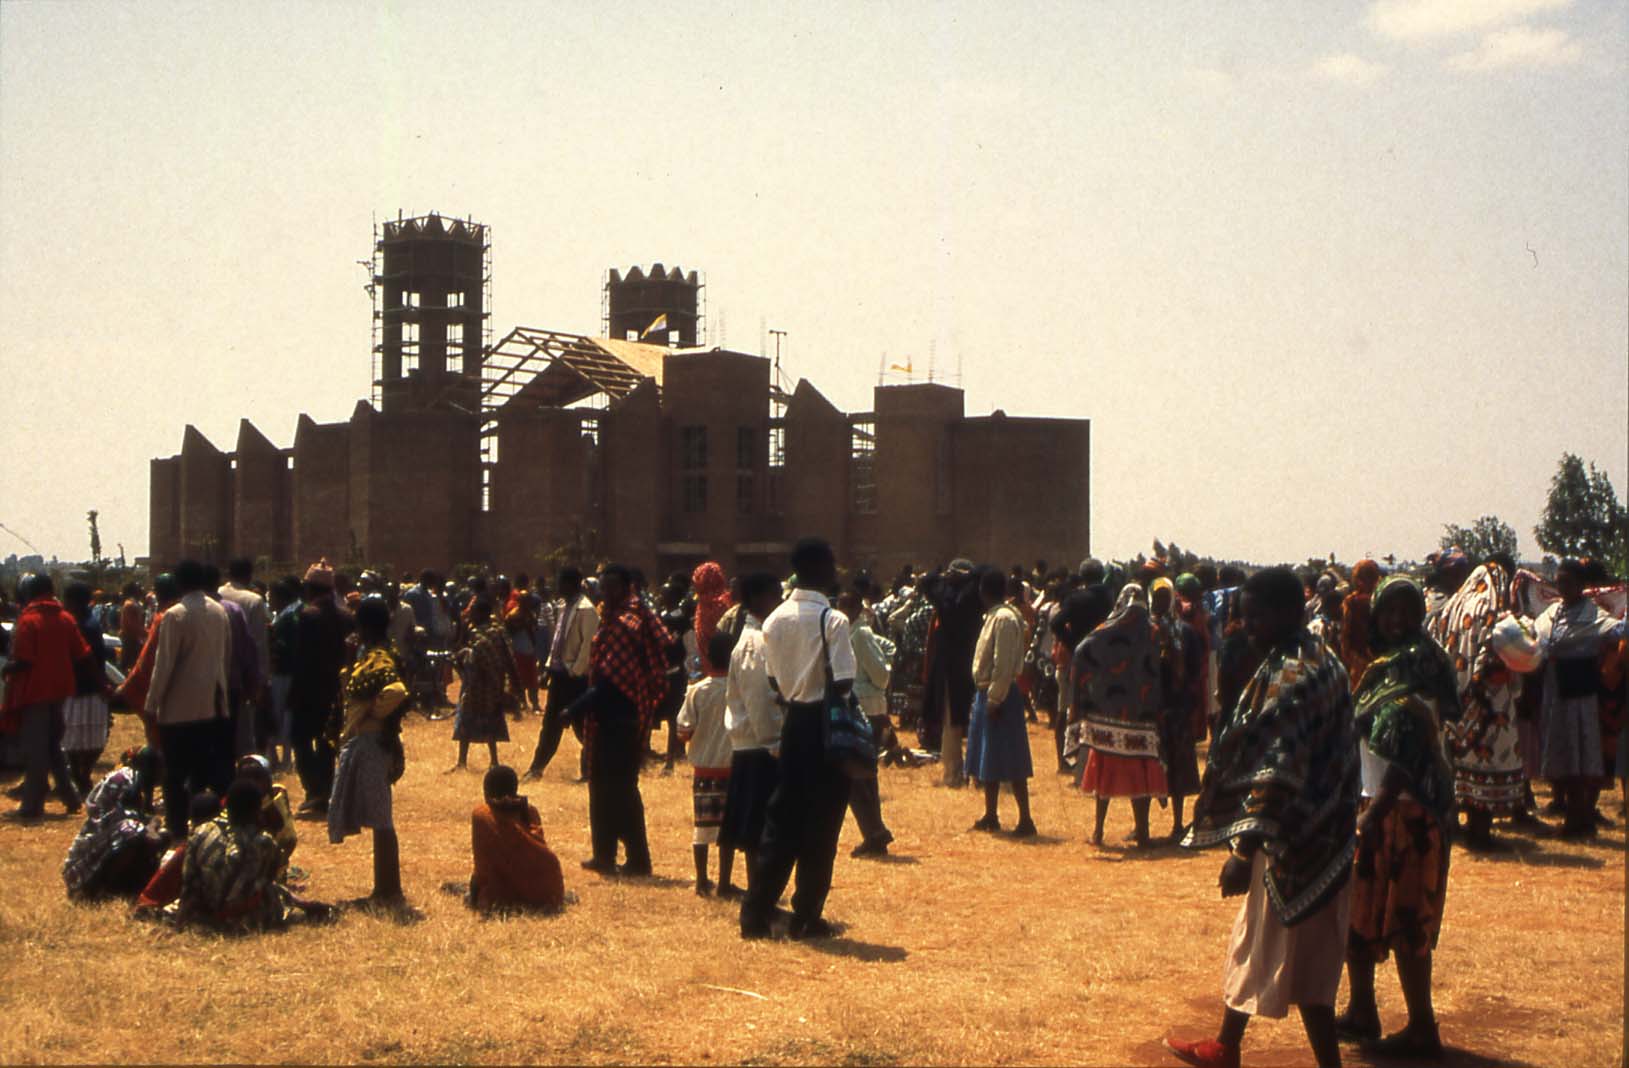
column 630, row 652
column 116, row 814
column 488, row 665
column 373, row 690
column 228, row 878
column 1284, row 769
column 1485, row 745
column 1399, row 885
column 1118, row 685
column 709, row 790
column 1408, row 691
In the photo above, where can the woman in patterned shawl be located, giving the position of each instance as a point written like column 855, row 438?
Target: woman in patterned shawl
column 1485, row 746
column 1281, row 789
column 1573, row 633
column 910, row 620
column 1177, row 642
column 1118, row 693
column 489, row 681
column 116, row 852
column 1400, row 881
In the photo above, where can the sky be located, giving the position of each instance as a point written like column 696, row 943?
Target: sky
column 1323, row 276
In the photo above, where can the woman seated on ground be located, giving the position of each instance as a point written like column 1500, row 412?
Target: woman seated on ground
column 276, row 815
column 165, row 885
column 229, row 873
column 514, row 866
column 229, row 876
column 118, row 848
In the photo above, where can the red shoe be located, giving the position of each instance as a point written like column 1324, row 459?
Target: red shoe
column 1206, row 1053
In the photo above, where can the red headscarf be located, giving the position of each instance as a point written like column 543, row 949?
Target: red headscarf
column 712, row 592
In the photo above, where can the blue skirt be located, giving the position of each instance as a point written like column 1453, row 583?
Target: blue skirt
column 998, row 749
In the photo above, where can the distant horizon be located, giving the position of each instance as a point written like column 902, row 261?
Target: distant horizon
column 1322, row 278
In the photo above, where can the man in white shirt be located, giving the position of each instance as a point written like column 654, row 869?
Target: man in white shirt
column 566, row 670
column 187, row 697
column 753, row 719
column 805, row 813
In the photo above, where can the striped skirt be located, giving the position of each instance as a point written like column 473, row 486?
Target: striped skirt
column 85, row 724
column 709, row 790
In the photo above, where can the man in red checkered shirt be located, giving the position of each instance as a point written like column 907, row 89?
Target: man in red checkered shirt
column 627, row 676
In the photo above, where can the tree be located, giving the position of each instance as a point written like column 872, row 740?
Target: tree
column 95, row 537
column 1583, row 516
column 1480, row 540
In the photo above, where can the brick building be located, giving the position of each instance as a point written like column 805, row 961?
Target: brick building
column 547, row 447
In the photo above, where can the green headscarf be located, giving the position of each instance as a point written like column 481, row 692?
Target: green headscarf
column 1404, row 697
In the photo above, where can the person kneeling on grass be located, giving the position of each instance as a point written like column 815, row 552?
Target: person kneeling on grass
column 370, row 757
column 514, row 866
column 701, row 726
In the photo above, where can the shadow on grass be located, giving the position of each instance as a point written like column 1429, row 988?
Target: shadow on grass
column 872, row 952
column 1533, row 857
column 1452, row 1057
column 1036, row 840
column 892, row 858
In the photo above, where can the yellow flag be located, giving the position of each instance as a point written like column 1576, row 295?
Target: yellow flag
column 659, row 323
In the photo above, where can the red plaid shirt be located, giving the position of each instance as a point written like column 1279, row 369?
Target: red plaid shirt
column 629, row 652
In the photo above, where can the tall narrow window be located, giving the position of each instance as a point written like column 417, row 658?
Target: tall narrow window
column 693, row 468
column 862, row 465
column 746, row 469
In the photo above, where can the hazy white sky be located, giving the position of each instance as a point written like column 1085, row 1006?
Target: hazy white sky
column 1323, row 276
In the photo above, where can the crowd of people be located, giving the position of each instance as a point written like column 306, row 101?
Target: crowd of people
column 1353, row 719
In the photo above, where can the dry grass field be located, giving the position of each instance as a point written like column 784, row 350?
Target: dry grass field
column 960, row 948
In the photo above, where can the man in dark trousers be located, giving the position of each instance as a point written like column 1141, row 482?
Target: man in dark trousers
column 46, row 653
column 960, row 614
column 627, row 678
column 805, row 813
column 319, row 656
column 566, row 668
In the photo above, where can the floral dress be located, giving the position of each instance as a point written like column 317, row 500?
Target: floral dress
column 1400, row 878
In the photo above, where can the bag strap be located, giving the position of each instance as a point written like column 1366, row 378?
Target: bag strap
column 825, row 649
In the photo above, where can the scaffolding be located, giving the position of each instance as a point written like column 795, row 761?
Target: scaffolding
column 701, row 304
column 408, row 313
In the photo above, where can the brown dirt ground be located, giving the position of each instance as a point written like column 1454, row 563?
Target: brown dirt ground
column 960, row 948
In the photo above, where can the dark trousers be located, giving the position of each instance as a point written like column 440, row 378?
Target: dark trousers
column 616, row 813
column 40, row 738
column 563, row 690
column 864, row 799
column 197, row 756
column 313, row 755
column 801, row 824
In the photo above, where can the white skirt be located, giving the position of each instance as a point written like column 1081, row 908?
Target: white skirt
column 85, row 722
column 1271, row 967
